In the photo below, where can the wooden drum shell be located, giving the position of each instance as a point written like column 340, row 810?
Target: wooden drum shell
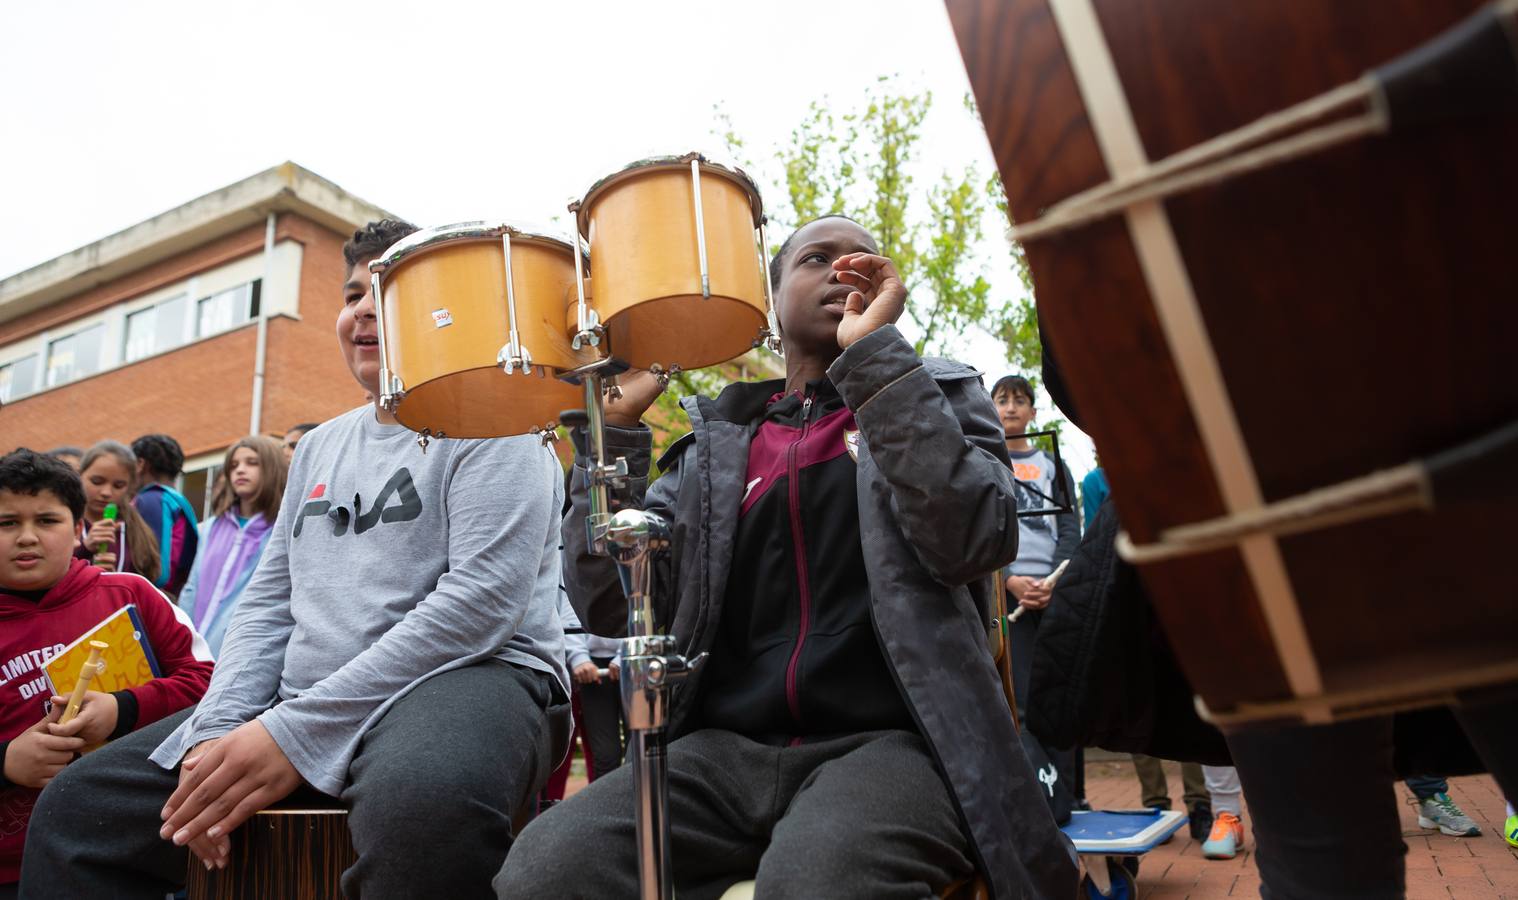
column 641, row 225
column 1360, row 304
column 453, row 383
column 292, row 854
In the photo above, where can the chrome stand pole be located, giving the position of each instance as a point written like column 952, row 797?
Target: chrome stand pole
column 636, row 540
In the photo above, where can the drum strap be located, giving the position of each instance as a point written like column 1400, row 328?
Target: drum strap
column 1180, row 318
column 1470, row 70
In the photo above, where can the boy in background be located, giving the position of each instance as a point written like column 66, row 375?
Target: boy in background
column 48, row 600
column 1043, row 542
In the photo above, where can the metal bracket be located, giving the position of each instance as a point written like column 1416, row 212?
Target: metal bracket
column 590, row 332
column 512, row 357
column 547, row 434
column 392, row 391
column 612, row 474
column 663, row 375
column 769, row 337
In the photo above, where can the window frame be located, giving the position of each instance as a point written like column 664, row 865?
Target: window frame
column 186, row 329
column 50, row 347
column 17, row 392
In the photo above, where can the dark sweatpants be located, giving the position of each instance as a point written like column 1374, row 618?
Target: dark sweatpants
column 430, row 798
column 863, row 816
column 601, row 722
column 1325, row 807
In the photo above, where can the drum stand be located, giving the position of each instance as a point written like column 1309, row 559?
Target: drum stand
column 636, row 540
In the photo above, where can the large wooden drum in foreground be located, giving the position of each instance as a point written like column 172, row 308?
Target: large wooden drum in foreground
column 1294, row 318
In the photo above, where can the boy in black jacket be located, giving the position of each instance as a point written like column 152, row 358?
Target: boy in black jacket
column 832, row 534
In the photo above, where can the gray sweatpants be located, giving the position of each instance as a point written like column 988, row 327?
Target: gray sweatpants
column 430, row 798
column 863, row 816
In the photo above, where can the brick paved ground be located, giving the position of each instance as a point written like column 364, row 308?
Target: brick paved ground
column 1438, row 866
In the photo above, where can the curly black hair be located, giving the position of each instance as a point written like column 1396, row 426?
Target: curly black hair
column 371, row 241
column 28, row 472
column 164, row 456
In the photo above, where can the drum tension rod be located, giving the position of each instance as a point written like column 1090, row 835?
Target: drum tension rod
column 514, row 355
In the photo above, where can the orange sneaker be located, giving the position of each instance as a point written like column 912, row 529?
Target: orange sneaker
column 1226, row 839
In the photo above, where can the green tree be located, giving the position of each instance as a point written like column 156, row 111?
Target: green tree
column 865, row 160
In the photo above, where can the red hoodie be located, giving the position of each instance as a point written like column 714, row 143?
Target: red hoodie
column 31, row 632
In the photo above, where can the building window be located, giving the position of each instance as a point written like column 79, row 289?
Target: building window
column 18, row 378
column 72, row 358
column 156, row 329
column 228, row 309
column 199, row 487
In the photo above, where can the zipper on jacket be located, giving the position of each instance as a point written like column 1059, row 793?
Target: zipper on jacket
column 798, row 540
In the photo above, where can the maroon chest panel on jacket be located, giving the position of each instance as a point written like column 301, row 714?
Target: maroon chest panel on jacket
column 769, row 455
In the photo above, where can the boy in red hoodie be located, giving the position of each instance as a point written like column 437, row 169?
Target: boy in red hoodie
column 48, row 600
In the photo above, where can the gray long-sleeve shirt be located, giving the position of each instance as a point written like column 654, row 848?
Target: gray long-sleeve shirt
column 386, row 566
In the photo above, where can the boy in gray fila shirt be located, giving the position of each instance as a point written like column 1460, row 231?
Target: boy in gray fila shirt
column 398, row 647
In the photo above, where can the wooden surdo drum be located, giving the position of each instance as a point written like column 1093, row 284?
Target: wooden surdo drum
column 1274, row 253
column 677, row 253
column 473, row 334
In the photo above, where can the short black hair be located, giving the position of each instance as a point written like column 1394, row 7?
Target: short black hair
column 162, row 453
column 28, row 472
column 776, row 261
column 371, row 241
column 1014, row 384
column 302, row 427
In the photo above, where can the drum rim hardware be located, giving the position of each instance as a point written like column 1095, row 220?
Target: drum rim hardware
column 428, row 239
column 581, row 207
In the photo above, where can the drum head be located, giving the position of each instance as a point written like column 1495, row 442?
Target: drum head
column 486, row 402
column 680, row 164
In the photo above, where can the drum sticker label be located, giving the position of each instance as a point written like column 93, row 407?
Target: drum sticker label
column 851, row 443
column 442, row 318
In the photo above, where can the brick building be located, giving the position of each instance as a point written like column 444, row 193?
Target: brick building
column 156, row 328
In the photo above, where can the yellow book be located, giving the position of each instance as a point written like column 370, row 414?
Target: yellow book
column 128, row 663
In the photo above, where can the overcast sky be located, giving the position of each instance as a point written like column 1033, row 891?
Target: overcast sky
column 441, row 112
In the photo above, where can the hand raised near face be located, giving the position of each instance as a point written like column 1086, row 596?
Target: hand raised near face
column 878, row 298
